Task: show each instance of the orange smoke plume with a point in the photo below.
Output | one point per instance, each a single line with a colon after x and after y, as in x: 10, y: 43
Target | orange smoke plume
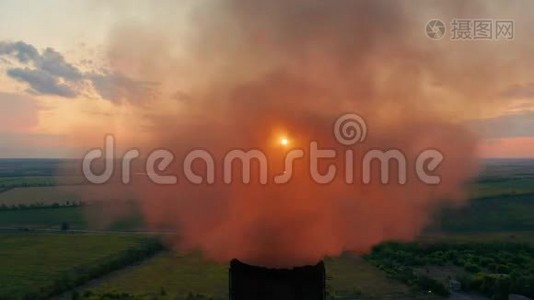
x: 256, y: 72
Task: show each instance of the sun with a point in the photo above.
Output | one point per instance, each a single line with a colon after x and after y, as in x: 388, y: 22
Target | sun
x: 284, y: 141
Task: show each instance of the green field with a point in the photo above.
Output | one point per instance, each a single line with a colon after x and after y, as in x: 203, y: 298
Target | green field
x: 503, y: 187
x: 51, y: 206
x: 488, y: 214
x: 350, y: 275
x: 492, y: 214
x: 32, y: 261
x: 178, y: 275
x: 91, y: 217
x: 49, y: 218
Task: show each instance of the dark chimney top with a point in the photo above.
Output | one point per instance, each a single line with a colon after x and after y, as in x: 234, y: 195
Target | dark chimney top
x: 249, y: 282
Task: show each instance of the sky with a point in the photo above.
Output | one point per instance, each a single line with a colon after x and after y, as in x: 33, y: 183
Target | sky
x: 71, y: 71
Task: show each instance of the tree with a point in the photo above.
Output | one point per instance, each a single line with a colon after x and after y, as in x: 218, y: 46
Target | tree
x: 65, y: 226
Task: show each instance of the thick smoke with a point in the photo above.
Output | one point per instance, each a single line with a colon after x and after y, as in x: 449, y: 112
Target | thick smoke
x: 253, y: 71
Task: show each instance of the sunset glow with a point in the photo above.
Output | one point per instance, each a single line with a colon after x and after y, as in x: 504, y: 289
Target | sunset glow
x: 106, y: 83
x: 272, y: 144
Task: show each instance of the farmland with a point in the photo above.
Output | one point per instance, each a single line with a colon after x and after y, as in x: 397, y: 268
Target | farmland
x: 41, y: 264
x: 44, y: 213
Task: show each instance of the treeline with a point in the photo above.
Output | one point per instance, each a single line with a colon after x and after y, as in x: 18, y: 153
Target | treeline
x: 77, y: 276
x: 90, y: 295
x: 504, y: 178
x: 494, y: 269
x: 4, y: 187
x: 40, y: 205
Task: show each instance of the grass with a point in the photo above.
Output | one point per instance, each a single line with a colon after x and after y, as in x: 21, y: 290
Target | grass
x: 29, y: 261
x: 177, y: 274
x: 45, y: 218
x: 350, y: 274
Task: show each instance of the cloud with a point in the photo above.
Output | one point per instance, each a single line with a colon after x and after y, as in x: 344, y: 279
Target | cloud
x: 22, y: 51
x: 54, y: 63
x: 42, y: 82
x: 117, y: 87
x: 519, y: 91
x: 47, y: 72
x: 512, y: 125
